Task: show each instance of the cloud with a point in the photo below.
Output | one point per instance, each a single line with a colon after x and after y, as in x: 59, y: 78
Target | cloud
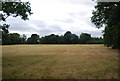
x: 18, y: 24
x: 35, y: 26
x: 68, y: 20
x: 38, y: 22
x: 94, y: 33
x: 56, y: 17
x: 79, y: 2
x: 52, y: 29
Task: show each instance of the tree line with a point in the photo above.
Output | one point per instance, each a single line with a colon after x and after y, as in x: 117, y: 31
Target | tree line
x: 67, y: 38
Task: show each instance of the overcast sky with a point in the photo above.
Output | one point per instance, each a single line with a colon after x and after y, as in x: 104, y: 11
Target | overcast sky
x: 56, y: 17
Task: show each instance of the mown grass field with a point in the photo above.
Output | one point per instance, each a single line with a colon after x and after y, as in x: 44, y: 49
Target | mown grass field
x: 59, y: 62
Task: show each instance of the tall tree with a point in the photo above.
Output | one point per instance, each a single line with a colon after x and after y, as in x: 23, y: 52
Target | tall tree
x: 107, y: 14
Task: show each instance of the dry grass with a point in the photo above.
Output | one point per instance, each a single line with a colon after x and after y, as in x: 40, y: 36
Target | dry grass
x: 59, y: 62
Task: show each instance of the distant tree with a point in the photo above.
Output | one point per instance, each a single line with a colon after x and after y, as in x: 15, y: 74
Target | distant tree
x: 70, y: 38
x: 54, y: 39
x: 43, y: 40
x: 23, y: 39
x: 67, y: 37
x: 61, y: 39
x: 95, y: 40
x: 74, y: 39
x: 14, y: 38
x: 29, y: 41
x: 84, y: 38
x: 34, y: 39
x: 50, y: 39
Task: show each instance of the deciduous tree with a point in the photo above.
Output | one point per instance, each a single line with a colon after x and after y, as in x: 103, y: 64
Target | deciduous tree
x: 107, y: 15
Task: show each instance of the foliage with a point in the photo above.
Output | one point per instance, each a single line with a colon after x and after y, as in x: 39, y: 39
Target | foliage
x: 14, y: 38
x: 23, y: 39
x: 95, y: 40
x: 67, y: 38
x: 34, y: 39
x: 50, y: 39
x: 70, y: 38
x: 5, y: 37
x: 107, y: 14
x: 11, y: 38
x: 5, y: 29
x: 21, y: 9
x: 84, y: 38
x: 15, y: 9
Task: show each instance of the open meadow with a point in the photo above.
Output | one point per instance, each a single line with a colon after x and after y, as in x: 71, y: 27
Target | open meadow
x: 93, y: 61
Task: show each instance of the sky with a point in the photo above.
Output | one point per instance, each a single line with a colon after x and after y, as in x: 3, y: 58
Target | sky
x: 57, y: 17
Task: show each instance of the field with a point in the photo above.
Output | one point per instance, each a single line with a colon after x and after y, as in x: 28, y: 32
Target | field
x: 59, y: 62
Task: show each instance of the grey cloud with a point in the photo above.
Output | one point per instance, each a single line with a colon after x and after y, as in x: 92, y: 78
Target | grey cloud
x: 56, y: 28
x: 41, y: 27
x: 92, y: 32
x: 50, y: 30
x: 16, y: 24
x: 43, y: 32
x: 72, y: 15
x: 81, y: 14
x: 38, y: 23
x: 23, y: 28
x: 77, y: 15
x: 68, y: 20
x: 80, y: 2
x: 88, y: 21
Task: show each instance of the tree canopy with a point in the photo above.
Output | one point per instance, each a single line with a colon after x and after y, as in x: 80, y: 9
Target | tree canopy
x: 14, y: 9
x: 85, y: 37
x: 34, y: 39
x: 107, y: 14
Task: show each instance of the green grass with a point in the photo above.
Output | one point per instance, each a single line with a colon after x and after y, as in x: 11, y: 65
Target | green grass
x: 59, y: 62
